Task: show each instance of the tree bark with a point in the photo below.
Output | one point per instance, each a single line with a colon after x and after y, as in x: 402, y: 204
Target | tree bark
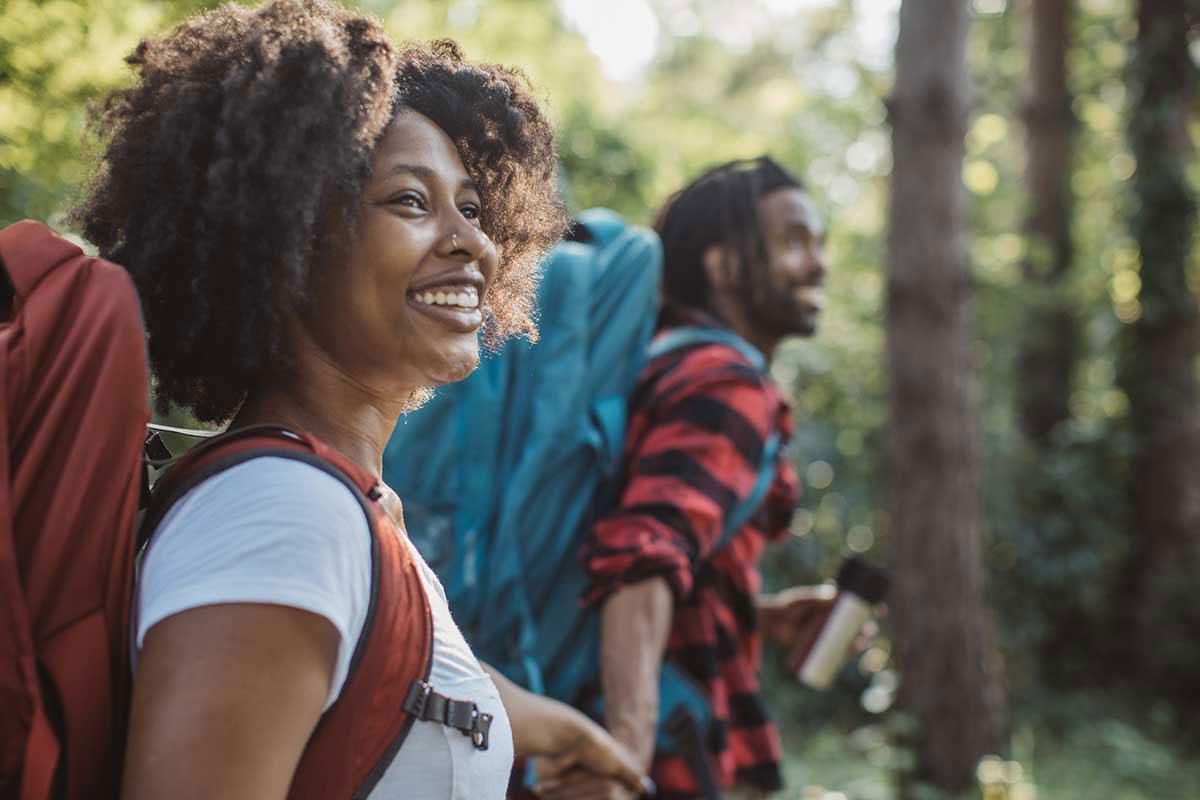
x: 1048, y: 336
x: 1047, y: 355
x: 950, y: 673
x: 1158, y: 368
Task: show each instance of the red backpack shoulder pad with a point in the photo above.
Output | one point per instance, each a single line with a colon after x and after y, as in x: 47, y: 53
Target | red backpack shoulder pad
x: 361, y: 733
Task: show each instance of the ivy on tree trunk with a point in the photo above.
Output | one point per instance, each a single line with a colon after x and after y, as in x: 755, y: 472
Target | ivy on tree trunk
x: 1159, y: 359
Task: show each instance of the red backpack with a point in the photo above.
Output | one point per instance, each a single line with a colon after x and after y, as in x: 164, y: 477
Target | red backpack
x: 73, y: 416
x: 73, y: 411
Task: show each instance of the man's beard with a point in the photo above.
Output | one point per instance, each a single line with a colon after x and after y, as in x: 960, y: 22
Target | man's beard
x: 781, y: 314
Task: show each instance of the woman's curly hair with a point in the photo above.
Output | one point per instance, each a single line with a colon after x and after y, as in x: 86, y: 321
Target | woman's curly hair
x: 246, y: 128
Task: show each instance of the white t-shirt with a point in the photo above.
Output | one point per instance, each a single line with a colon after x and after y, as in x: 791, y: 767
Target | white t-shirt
x: 279, y: 531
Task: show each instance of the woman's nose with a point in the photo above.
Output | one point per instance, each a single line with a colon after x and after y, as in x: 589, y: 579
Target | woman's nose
x: 467, y: 242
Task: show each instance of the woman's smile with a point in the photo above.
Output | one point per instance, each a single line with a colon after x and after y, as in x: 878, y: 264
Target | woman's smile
x: 451, y: 298
x: 457, y: 309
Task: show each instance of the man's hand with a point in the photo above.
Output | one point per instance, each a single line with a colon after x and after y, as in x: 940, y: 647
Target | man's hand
x: 792, y: 619
x: 635, y: 623
x: 584, y: 760
x: 564, y: 740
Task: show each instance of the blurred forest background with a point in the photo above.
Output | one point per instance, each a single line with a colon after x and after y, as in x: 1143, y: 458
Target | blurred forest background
x: 1010, y: 187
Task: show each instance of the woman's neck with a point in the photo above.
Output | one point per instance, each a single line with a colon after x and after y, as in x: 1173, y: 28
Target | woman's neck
x: 316, y: 397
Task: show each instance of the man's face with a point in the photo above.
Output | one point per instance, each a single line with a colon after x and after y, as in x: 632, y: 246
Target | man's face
x: 794, y: 236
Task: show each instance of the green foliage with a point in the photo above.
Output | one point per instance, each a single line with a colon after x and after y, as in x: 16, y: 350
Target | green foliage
x: 55, y: 57
x: 601, y: 167
x: 1057, y: 520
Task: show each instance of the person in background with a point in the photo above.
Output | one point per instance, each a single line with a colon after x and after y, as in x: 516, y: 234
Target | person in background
x: 744, y: 253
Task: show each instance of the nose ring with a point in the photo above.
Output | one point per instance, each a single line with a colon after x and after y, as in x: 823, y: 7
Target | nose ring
x: 454, y: 241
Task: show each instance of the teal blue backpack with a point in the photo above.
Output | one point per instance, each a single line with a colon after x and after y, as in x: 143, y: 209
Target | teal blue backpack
x: 502, y: 474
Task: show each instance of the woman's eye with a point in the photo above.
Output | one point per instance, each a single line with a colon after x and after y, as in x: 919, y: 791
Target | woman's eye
x: 410, y: 199
x: 470, y: 211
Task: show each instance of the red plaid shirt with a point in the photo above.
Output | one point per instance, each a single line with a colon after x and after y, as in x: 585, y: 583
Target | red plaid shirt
x: 699, y: 418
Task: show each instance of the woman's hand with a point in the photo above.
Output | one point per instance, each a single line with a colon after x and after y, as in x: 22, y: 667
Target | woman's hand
x: 565, y: 741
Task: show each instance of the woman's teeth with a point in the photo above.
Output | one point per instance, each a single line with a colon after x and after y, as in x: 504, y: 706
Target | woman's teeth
x: 461, y: 298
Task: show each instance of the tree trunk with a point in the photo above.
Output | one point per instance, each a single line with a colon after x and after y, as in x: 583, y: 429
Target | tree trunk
x: 1158, y: 368
x: 950, y: 682
x: 1047, y: 352
x: 1048, y: 339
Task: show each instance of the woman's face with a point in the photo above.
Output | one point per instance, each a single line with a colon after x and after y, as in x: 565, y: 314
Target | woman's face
x: 399, y: 303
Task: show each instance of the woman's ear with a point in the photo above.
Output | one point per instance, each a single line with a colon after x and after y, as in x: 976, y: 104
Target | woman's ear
x: 718, y: 266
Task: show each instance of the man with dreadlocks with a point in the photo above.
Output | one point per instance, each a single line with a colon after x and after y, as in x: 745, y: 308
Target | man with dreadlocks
x: 743, y: 253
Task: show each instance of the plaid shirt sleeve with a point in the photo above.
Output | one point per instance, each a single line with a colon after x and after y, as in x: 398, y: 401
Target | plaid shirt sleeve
x: 693, y: 451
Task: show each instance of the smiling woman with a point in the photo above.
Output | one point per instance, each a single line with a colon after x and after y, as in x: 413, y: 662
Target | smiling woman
x: 319, y: 226
x: 226, y: 181
x: 419, y: 232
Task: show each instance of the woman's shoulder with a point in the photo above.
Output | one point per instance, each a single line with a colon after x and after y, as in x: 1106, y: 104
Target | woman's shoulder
x: 270, y: 529
x: 272, y: 517
x: 276, y: 487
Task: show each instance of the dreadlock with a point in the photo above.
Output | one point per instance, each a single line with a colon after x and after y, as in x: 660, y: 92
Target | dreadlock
x: 718, y: 208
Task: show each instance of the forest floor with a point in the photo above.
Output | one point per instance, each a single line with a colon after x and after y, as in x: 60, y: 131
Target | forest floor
x: 1104, y: 758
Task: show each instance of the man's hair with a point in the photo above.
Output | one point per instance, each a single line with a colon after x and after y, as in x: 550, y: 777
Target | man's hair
x: 718, y: 208
x: 247, y: 132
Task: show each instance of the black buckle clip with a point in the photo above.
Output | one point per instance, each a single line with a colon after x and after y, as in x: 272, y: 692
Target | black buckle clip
x: 155, y: 448
x: 479, y: 731
x: 418, y: 697
x: 424, y: 704
x: 465, y: 717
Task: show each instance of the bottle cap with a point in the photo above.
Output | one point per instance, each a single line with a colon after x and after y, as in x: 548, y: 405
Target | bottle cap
x: 860, y: 578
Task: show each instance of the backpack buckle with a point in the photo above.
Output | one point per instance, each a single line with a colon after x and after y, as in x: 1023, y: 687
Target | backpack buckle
x: 418, y: 698
x: 155, y: 448
x: 479, y: 730
x: 426, y: 705
x: 465, y: 717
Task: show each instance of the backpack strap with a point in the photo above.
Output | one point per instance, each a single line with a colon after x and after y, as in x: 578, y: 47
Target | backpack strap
x: 225, y: 451
x: 220, y: 452
x: 687, y: 337
x: 746, y: 509
x: 359, y: 736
